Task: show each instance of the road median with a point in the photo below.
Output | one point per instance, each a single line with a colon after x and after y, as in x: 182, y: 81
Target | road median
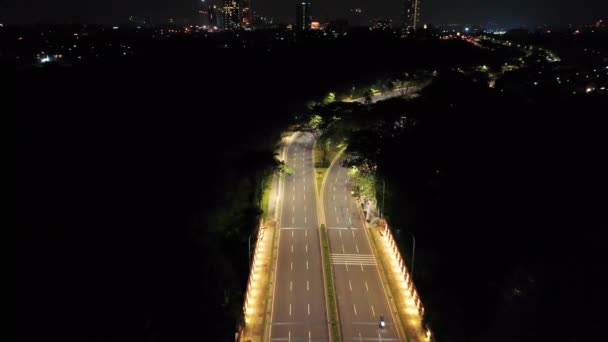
x: 329, y: 285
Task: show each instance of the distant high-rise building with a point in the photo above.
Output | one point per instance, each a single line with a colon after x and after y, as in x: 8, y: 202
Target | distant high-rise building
x: 246, y: 14
x: 208, y: 14
x: 411, y: 15
x: 231, y: 13
x: 303, y: 15
x: 212, y: 16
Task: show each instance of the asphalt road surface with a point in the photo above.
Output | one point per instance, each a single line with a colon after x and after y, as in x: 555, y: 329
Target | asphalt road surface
x: 299, y: 311
x: 361, y: 297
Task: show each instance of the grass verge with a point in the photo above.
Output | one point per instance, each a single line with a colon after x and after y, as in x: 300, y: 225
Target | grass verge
x: 267, y: 186
x: 322, y: 165
x: 331, y: 292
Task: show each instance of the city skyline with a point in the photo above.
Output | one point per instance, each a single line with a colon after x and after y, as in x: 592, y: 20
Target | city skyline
x: 500, y: 12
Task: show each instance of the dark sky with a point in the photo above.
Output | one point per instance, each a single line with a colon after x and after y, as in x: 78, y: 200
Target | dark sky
x: 504, y: 12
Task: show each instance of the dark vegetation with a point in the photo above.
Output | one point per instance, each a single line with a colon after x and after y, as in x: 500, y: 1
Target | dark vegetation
x: 139, y: 178
x: 501, y: 192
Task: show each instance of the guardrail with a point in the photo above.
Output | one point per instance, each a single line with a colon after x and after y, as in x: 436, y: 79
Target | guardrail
x: 252, y: 290
x: 407, y: 283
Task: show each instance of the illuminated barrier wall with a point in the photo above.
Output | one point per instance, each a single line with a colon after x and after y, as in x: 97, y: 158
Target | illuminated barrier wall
x: 253, y: 289
x: 407, y: 284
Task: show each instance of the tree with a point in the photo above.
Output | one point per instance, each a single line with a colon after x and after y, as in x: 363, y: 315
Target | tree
x: 364, y: 184
x: 368, y: 96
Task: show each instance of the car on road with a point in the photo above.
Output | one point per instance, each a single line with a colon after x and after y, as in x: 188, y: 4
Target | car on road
x: 381, y: 324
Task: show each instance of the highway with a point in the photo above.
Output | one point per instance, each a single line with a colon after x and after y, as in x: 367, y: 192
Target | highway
x: 360, y: 295
x: 299, y: 308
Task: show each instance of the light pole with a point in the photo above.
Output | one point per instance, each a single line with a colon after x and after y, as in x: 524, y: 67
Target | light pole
x: 413, y: 251
x: 383, y: 188
x: 249, y: 244
x: 382, y: 206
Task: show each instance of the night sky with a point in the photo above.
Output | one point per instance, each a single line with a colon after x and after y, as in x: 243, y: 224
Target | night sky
x: 508, y: 13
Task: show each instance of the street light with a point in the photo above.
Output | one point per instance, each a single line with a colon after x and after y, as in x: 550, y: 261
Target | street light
x: 383, y: 188
x: 249, y: 243
x: 413, y: 252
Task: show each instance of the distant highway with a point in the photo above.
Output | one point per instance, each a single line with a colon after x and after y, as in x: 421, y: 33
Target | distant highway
x: 299, y: 308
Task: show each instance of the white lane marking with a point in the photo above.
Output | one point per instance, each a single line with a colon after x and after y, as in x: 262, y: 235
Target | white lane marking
x: 357, y: 247
x: 307, y: 286
x: 354, y: 308
x: 304, y: 208
x: 305, y: 197
x: 304, y: 187
x: 289, y: 336
x: 350, y: 221
x: 336, y: 209
x: 346, y: 267
x: 334, y: 188
x: 293, y: 219
x: 339, y: 231
x: 290, y: 311
x: 345, y: 197
x: 306, y: 248
x: 347, y: 210
x: 294, y: 197
x: 366, y: 288
x: 342, y: 249
x: 294, y: 187
x: 309, y: 338
x: 350, y: 285
x: 334, y: 197
x: 304, y: 219
x: 362, y: 270
x: 291, y: 266
x: 337, y: 219
x: 290, y: 285
x: 352, y: 231
x: 292, y: 248
x: 292, y: 233
x: 308, y: 309
x: 379, y: 337
x: 306, y: 264
x: 293, y: 209
x: 306, y: 233
x: 360, y: 338
x: 373, y: 312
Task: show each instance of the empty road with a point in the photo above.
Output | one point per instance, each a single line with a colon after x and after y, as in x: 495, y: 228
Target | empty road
x: 298, y: 308
x: 360, y: 294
